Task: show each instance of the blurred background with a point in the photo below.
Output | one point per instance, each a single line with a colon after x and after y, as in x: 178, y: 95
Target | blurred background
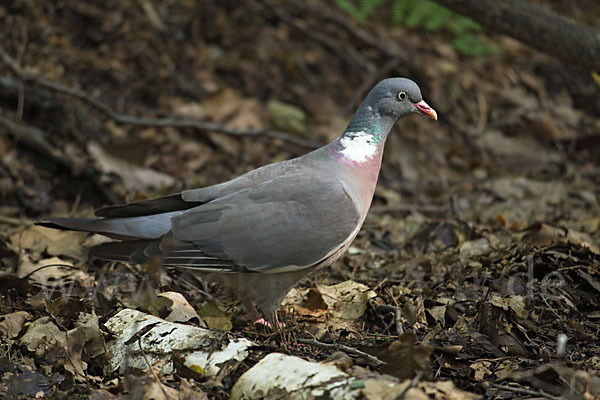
x: 104, y: 102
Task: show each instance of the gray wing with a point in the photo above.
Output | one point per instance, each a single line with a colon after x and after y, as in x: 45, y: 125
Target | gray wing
x: 195, y: 197
x: 286, y: 223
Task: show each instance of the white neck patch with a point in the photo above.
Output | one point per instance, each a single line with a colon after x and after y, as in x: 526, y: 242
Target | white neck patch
x: 358, y: 146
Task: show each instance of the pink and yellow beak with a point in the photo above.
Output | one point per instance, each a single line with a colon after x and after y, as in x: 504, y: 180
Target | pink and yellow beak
x: 425, y: 109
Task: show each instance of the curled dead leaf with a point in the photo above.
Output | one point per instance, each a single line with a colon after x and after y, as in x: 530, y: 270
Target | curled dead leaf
x: 52, y: 241
x: 173, y: 307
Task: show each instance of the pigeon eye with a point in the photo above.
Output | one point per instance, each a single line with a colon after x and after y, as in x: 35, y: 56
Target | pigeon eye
x: 401, y: 95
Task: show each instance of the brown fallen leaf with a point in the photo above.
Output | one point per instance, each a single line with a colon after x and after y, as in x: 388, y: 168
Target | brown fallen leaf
x: 54, y: 242
x: 48, y: 271
x: 515, y: 303
x: 214, y: 317
x: 481, y: 369
x: 134, y: 177
x: 313, y: 308
x: 544, y: 234
x: 494, y: 324
x: 222, y: 105
x: 11, y: 324
x: 382, y: 389
x: 47, y: 341
x: 249, y: 115
x: 173, y: 307
x: 346, y: 301
x: 445, y: 390
x: 403, y: 357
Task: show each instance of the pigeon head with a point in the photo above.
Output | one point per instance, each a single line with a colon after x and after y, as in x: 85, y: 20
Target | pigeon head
x: 396, y: 97
x: 388, y: 101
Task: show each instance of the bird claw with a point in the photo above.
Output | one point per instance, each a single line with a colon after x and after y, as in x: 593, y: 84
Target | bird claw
x: 264, y: 322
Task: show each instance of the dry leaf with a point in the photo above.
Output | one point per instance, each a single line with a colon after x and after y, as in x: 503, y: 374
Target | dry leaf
x: 481, y: 369
x: 214, y: 317
x: 249, y: 115
x: 52, y: 241
x: 11, y: 324
x: 383, y: 389
x: 47, y: 341
x: 45, y: 271
x: 134, y: 177
x: 222, y: 105
x: 346, y: 302
x: 173, y: 307
x: 402, y: 357
x: 515, y: 303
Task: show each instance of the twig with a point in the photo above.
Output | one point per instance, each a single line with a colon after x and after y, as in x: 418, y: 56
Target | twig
x: 48, y: 266
x: 152, y: 369
x: 525, y: 391
x: 413, y: 383
x: 341, y: 347
x: 397, y: 317
x: 154, y: 122
x: 380, y: 284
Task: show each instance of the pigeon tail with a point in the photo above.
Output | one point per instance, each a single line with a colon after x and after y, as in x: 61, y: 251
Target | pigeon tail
x: 131, y: 228
x: 70, y: 224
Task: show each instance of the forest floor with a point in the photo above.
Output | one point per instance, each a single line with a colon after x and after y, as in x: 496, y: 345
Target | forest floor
x: 482, y: 242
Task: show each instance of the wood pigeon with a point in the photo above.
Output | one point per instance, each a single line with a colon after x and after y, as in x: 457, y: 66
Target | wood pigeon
x: 262, y: 232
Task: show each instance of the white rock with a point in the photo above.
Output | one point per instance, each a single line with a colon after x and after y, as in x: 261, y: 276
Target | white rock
x: 299, y: 379
x: 164, y: 338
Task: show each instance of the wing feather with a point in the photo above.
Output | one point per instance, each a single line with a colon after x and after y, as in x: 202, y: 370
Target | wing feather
x: 288, y: 222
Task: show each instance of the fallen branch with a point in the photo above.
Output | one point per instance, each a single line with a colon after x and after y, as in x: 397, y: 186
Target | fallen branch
x: 340, y: 347
x: 153, y: 122
x: 537, y: 26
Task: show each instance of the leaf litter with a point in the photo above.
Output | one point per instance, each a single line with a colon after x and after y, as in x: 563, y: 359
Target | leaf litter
x: 481, y: 250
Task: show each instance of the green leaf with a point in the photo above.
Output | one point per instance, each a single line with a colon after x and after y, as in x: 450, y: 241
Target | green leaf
x: 431, y: 16
x: 470, y: 45
x: 399, y: 10
x: 438, y: 19
x: 419, y: 13
x: 360, y: 11
x: 461, y: 25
